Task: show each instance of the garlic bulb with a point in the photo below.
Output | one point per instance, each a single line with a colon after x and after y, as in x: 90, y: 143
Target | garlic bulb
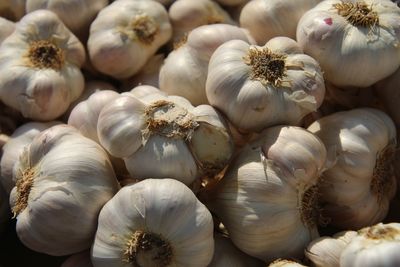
x: 126, y: 34
x: 285, y: 263
x: 343, y: 35
x: 76, y: 15
x: 267, y: 199
x: 154, y: 223
x: 6, y: 28
x: 257, y: 87
x: 186, y: 15
x: 268, y: 19
x: 14, y: 147
x: 12, y: 9
x: 357, y: 190
x: 81, y: 259
x: 39, y: 67
x: 227, y: 255
x: 62, y: 181
x: 184, y: 72
x: 165, y: 136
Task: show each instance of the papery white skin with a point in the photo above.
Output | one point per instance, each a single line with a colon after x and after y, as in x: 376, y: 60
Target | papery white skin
x: 186, y: 15
x: 14, y: 147
x: 5, y: 214
x: 85, y: 115
x: 81, y: 259
x: 72, y: 179
x: 76, y: 14
x: 12, y: 9
x: 227, y: 255
x: 252, y: 106
x: 259, y: 200
x: 285, y: 263
x: 341, y: 48
x: 325, y: 251
x: 40, y: 93
x: 357, y: 137
x: 268, y: 19
x: 160, y: 206
x: 148, y: 75
x: 114, y: 47
x: 122, y: 131
x: 184, y: 72
x: 6, y: 28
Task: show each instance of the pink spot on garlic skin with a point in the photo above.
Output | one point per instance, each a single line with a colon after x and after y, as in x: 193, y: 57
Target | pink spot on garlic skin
x: 328, y: 21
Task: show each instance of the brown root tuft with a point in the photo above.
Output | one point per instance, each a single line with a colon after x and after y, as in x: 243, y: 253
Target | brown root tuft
x: 24, y: 185
x: 145, y: 28
x: 44, y: 54
x: 358, y: 14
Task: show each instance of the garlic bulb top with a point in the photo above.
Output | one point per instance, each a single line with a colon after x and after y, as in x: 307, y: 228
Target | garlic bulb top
x: 6, y: 28
x: 62, y: 181
x: 268, y: 19
x: 267, y: 199
x: 76, y: 14
x: 184, y: 71
x: 14, y: 147
x: 81, y: 259
x: 165, y: 131
x: 39, y: 67
x: 154, y: 223
x: 343, y: 35
x: 126, y: 34
x: 357, y: 189
x: 12, y: 9
x: 257, y: 87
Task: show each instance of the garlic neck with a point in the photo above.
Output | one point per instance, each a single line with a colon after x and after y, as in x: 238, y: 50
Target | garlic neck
x: 144, y: 28
x: 44, y: 54
x: 24, y: 185
x: 148, y: 249
x: 358, y: 13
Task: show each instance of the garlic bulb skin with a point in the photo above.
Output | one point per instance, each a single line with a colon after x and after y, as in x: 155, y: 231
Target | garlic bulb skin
x: 184, y: 71
x: 186, y: 15
x: 6, y: 28
x: 125, y: 34
x: 184, y: 142
x: 14, y: 147
x: 285, y: 263
x: 227, y: 255
x: 341, y: 46
x: 12, y: 9
x: 40, y: 67
x: 62, y: 181
x: 258, y: 87
x: 357, y: 190
x: 81, y: 259
x: 267, y: 198
x: 139, y: 227
x: 76, y: 15
x: 268, y: 19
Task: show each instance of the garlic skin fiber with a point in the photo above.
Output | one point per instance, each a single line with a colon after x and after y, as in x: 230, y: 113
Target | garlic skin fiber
x: 258, y: 87
x: 62, y: 181
x: 125, y: 34
x: 155, y: 222
x: 356, y: 191
x: 369, y: 37
x: 40, y: 67
x: 267, y: 198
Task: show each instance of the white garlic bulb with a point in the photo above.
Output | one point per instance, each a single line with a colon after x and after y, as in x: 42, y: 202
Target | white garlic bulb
x: 357, y: 189
x: 12, y: 9
x: 39, y: 67
x: 267, y: 199
x: 257, y: 87
x: 6, y: 28
x: 186, y: 15
x: 184, y: 71
x: 154, y: 223
x: 343, y: 35
x: 268, y: 19
x: 81, y: 259
x: 285, y: 263
x: 14, y: 147
x: 126, y: 34
x: 76, y: 15
x: 164, y: 136
x: 62, y: 181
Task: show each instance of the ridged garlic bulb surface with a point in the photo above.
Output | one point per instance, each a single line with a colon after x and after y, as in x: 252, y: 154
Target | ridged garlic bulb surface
x: 356, y: 191
x: 40, y: 67
x: 258, y: 87
x: 164, y: 136
x: 62, y: 181
x: 155, y: 222
x: 184, y: 71
x: 267, y: 199
x: 285, y: 263
x: 125, y: 34
x: 343, y: 35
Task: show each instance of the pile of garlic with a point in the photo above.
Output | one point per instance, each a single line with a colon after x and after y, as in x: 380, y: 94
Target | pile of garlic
x: 207, y: 133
